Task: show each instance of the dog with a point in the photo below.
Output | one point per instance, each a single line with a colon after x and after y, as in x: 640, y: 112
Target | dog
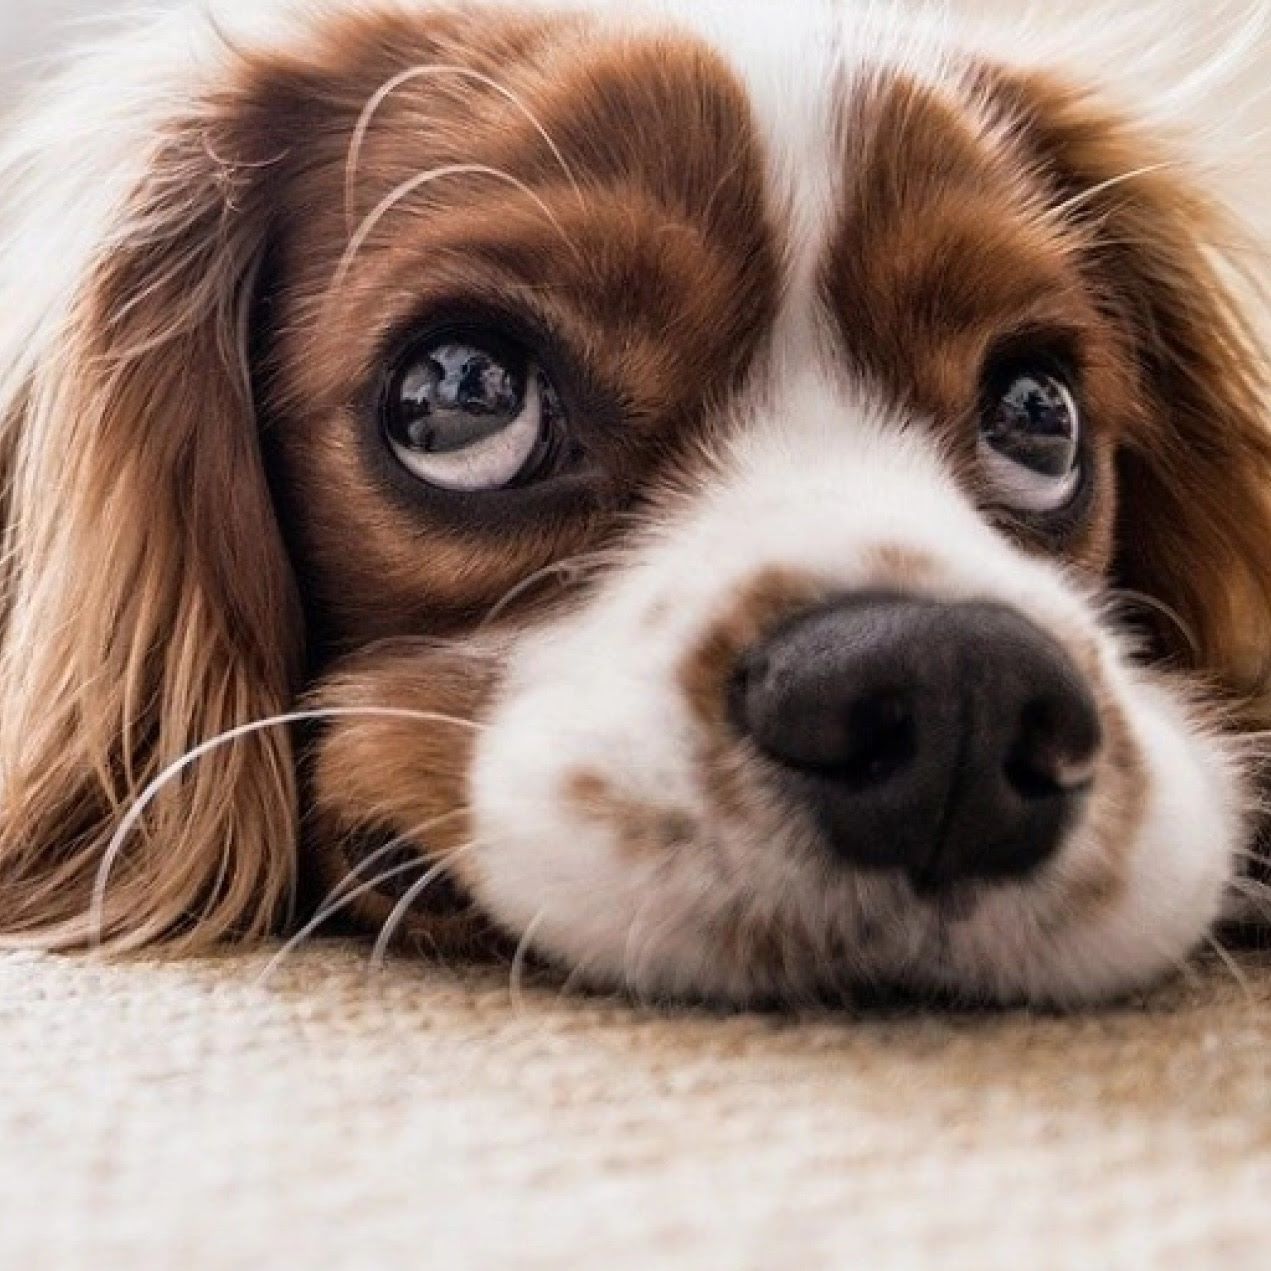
x: 747, y: 502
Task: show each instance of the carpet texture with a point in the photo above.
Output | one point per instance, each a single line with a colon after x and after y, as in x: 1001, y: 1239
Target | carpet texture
x: 189, y: 1116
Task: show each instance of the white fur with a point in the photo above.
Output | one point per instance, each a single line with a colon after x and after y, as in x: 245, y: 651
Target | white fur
x: 815, y: 480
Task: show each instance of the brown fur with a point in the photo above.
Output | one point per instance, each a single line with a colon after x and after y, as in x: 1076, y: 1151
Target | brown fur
x: 641, y: 830
x: 149, y: 605
x: 1193, y: 468
x: 155, y: 607
x: 377, y: 779
x: 620, y: 236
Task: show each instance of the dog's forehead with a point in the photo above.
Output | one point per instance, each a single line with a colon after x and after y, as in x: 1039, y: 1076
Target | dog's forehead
x: 785, y: 74
x: 744, y: 122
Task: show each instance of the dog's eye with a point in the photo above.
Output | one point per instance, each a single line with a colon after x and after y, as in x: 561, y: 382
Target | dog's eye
x: 1030, y: 439
x: 469, y: 410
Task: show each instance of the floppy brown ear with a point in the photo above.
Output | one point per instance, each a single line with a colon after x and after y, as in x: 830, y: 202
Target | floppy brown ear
x: 1194, y: 479
x: 148, y: 604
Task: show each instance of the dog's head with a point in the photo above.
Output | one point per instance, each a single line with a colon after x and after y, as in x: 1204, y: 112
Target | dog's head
x: 760, y: 502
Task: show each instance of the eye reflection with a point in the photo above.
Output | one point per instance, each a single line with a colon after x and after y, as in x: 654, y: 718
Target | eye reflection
x: 1030, y: 440
x: 470, y: 410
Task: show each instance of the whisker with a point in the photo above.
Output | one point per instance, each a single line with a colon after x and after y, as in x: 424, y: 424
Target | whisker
x: 574, y: 567
x: 636, y: 952
x: 1166, y: 611
x: 393, y: 844
x: 132, y: 818
x: 398, y: 914
x: 1078, y: 201
x: 1185, y: 968
x: 339, y: 898
x: 1254, y: 890
x: 329, y: 911
x: 516, y: 973
x: 418, y: 182
x: 400, y: 80
x: 577, y: 975
x: 1238, y: 976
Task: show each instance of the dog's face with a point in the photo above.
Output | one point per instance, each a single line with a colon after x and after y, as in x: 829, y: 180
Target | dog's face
x: 710, y: 466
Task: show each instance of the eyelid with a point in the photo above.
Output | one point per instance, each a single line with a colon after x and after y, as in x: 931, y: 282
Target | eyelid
x: 1058, y: 350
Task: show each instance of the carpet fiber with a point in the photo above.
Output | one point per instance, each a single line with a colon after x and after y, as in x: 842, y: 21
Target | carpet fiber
x: 188, y: 1116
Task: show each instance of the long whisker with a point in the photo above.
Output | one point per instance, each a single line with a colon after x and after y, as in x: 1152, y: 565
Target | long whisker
x: 400, y: 80
x: 131, y: 819
x: 416, y: 183
x: 1078, y: 201
x: 339, y: 897
x: 516, y: 974
x: 329, y: 911
x: 387, y: 849
x: 413, y: 893
x: 1232, y: 966
x: 573, y: 567
x: 577, y: 975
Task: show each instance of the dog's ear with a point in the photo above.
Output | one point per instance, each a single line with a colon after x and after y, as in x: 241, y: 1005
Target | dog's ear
x: 147, y: 600
x: 1194, y: 476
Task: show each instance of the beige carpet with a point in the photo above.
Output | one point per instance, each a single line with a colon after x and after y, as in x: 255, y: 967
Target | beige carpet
x: 187, y: 1116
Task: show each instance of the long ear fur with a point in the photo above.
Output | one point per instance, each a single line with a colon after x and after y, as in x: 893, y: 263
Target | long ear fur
x: 147, y: 603
x: 1194, y: 523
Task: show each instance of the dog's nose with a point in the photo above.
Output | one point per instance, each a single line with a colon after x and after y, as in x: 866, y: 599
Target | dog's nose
x: 949, y: 741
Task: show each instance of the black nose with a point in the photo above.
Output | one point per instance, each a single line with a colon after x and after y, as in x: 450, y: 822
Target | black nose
x: 950, y: 741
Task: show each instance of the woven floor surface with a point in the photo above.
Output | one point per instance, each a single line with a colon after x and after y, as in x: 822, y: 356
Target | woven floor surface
x: 189, y: 1115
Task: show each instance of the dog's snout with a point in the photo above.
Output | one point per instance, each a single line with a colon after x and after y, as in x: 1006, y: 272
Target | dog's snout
x: 949, y: 741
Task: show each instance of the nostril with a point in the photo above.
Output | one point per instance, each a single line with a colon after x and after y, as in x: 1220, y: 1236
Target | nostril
x: 1055, y: 748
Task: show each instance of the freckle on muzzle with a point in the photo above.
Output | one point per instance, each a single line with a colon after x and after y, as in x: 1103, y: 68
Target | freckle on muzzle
x: 949, y: 742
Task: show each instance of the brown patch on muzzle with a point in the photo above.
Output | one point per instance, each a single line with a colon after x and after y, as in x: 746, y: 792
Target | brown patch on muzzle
x: 643, y: 830
x: 774, y: 595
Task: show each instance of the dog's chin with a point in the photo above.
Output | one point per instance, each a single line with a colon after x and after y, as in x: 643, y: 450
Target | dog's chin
x: 684, y: 931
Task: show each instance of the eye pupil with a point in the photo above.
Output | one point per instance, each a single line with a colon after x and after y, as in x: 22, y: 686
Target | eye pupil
x: 1030, y: 439
x: 468, y: 409
x: 1034, y: 422
x: 488, y: 387
x: 455, y: 393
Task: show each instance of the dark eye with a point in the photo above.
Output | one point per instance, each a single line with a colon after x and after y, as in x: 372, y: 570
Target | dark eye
x: 1030, y: 439
x: 469, y: 410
